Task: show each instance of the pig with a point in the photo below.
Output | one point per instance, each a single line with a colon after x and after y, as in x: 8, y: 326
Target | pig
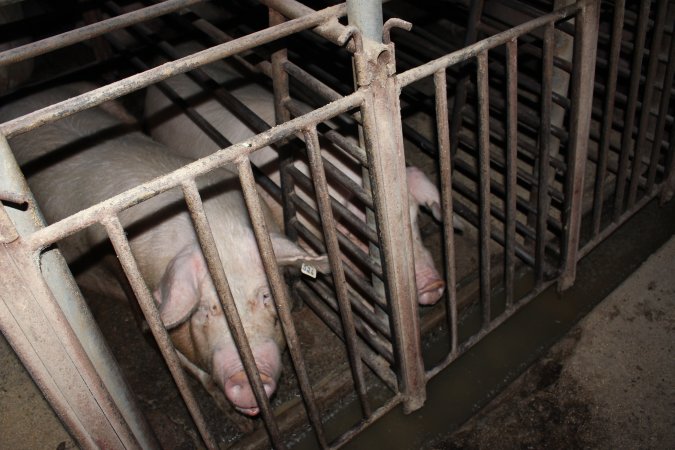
x: 169, y: 125
x: 91, y: 156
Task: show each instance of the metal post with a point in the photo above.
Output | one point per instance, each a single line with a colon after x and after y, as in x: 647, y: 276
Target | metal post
x: 585, y: 47
x: 374, y: 68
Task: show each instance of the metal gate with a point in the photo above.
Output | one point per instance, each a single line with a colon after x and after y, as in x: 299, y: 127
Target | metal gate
x: 500, y: 125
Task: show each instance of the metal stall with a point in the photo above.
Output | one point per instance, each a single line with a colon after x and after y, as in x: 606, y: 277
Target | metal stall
x: 498, y: 119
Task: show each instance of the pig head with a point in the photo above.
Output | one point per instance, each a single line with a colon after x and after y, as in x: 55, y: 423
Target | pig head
x: 89, y: 157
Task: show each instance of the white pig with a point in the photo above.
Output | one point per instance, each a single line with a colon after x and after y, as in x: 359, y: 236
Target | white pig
x: 88, y: 157
x: 169, y: 125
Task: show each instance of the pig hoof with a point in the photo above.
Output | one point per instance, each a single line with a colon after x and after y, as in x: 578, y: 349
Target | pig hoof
x: 240, y: 393
x: 431, y: 293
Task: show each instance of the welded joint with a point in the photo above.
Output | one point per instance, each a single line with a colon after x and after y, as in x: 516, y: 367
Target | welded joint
x: 369, y: 57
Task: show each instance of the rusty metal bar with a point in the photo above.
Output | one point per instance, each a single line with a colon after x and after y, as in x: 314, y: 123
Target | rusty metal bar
x: 445, y: 162
x: 641, y: 143
x: 482, y: 87
x: 384, y: 142
x: 627, y: 137
x: 279, y: 291
x: 585, y: 47
x: 141, y: 80
x: 511, y: 169
x: 544, y: 152
x: 330, y: 238
x: 227, y: 303
x: 122, y: 248
x: 428, y: 69
x: 361, y: 323
x: 51, y: 43
x: 86, y: 217
x: 663, y: 113
x: 379, y: 363
x: 608, y: 113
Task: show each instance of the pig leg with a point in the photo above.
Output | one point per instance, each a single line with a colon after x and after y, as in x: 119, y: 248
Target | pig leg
x: 243, y: 423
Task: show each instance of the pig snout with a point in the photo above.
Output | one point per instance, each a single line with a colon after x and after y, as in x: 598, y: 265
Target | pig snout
x: 430, y: 286
x: 230, y: 374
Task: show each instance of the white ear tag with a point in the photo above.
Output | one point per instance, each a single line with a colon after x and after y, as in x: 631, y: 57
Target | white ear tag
x: 308, y: 270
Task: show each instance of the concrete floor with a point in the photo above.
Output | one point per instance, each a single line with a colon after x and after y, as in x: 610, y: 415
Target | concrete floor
x: 610, y: 383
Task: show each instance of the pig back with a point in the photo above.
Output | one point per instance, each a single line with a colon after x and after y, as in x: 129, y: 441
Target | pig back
x: 88, y: 157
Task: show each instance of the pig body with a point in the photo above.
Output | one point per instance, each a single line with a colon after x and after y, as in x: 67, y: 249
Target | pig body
x: 169, y: 125
x: 87, y: 158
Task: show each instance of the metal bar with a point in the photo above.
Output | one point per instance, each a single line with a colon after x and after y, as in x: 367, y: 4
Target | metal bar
x: 544, y: 152
x: 475, y: 12
x: 627, y: 137
x: 58, y: 41
x: 330, y: 238
x: 585, y: 47
x: 366, y: 15
x: 228, y: 304
x: 482, y: 87
x: 55, y: 282
x: 608, y: 114
x: 162, y: 72
x: 641, y: 144
x: 511, y: 169
x: 384, y: 142
x: 428, y: 69
x: 662, y: 115
x: 445, y: 162
x: 122, y: 248
x: 89, y: 216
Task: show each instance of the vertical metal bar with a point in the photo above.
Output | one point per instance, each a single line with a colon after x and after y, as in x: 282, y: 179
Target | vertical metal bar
x: 382, y: 132
x: 511, y: 167
x: 366, y: 15
x: 585, y: 46
x: 122, y: 248
x: 663, y: 115
x: 330, y: 237
x: 445, y: 162
x: 629, y: 121
x: 461, y: 87
x: 227, y: 302
x: 279, y: 291
x: 484, y: 180
x: 543, y: 199
x: 641, y: 147
x: 608, y: 113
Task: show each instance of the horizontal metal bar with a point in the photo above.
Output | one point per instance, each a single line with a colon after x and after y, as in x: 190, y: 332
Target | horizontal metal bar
x: 86, y: 217
x: 89, y: 31
x: 162, y: 72
x: 429, y: 68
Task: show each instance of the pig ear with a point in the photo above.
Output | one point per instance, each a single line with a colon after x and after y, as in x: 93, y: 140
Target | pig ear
x: 178, y: 292
x: 290, y: 255
x: 425, y: 193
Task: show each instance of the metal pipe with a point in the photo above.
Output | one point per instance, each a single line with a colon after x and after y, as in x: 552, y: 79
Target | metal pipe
x: 641, y: 143
x: 627, y: 137
x: 608, y: 114
x: 511, y: 168
x: 482, y: 87
x: 366, y: 15
x: 58, y: 41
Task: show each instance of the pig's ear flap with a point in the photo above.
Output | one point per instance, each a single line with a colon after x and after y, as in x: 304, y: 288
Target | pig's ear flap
x: 290, y: 255
x: 178, y: 292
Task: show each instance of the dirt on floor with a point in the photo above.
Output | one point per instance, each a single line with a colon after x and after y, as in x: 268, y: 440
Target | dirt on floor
x: 610, y: 383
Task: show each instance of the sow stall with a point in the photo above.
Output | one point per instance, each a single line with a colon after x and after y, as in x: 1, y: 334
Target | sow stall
x: 543, y: 126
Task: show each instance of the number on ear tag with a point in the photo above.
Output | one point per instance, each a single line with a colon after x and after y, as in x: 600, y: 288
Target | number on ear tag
x: 308, y: 270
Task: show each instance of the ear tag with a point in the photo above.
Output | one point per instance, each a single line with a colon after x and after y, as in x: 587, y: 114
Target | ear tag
x: 308, y: 270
